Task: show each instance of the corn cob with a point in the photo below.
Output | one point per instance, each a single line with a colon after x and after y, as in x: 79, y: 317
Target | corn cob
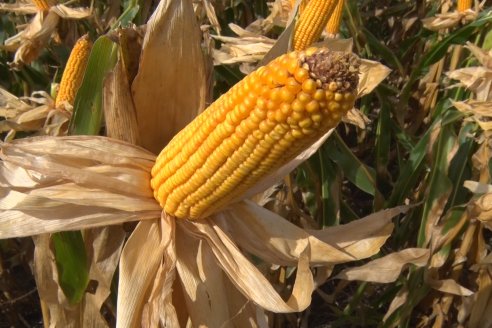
x: 302, y: 5
x: 333, y: 26
x: 74, y: 71
x: 312, y: 21
x: 464, y: 5
x: 42, y: 5
x: 260, y: 124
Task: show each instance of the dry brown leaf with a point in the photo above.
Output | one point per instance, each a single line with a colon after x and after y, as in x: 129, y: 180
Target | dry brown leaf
x: 477, y: 79
x: 387, y: 268
x: 449, y: 286
x: 357, y: 118
x: 203, y: 282
x: 480, y: 315
x: 138, y: 273
x: 479, y: 110
x: 400, y: 299
x: 19, y: 8
x: 168, y: 91
x: 119, y: 112
x: 252, y: 228
x: 448, y: 20
x: 113, y: 177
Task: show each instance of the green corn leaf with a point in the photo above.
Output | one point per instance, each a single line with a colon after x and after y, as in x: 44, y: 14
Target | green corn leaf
x: 71, y: 262
x: 87, y: 116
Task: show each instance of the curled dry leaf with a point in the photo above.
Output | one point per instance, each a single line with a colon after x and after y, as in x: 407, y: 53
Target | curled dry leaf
x: 480, y: 112
x: 29, y: 42
x: 34, y: 114
x: 449, y: 20
x: 449, y: 286
x: 181, y: 92
x: 248, y: 47
x: 85, y: 181
x: 388, y: 268
x: 477, y: 79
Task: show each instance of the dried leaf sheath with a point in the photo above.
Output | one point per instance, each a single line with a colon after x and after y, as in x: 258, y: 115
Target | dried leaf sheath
x: 260, y: 124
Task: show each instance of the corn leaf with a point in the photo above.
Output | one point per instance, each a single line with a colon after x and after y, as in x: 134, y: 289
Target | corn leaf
x: 459, y: 36
x: 87, y: 116
x: 356, y: 171
x: 71, y: 262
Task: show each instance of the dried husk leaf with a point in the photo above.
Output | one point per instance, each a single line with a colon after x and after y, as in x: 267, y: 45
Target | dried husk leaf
x: 480, y: 110
x: 448, y: 20
x: 477, y: 79
x: 387, y: 268
x: 169, y: 95
x: 70, y: 13
x: 19, y: 8
x: 203, y: 282
x: 246, y: 277
x: 253, y: 227
x: 138, y: 273
x: 29, y: 42
x: 119, y: 111
x: 112, y: 176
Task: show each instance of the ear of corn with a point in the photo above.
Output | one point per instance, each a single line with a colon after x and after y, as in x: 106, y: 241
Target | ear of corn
x: 312, y: 21
x: 464, y: 5
x: 74, y: 71
x: 333, y: 26
x: 257, y: 126
x: 42, y: 5
x: 302, y: 5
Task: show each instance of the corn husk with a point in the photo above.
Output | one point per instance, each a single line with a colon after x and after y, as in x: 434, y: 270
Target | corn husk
x: 32, y: 39
x: 36, y: 114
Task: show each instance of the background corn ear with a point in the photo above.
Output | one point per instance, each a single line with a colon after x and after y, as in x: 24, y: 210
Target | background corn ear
x: 42, y: 5
x: 464, y: 5
x: 333, y: 26
x: 312, y: 21
x: 261, y: 123
x: 74, y: 71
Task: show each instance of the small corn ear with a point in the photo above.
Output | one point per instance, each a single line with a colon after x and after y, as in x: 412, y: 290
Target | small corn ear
x: 333, y: 26
x: 464, y: 5
x: 42, y: 5
x: 312, y: 21
x: 260, y: 124
x: 74, y: 71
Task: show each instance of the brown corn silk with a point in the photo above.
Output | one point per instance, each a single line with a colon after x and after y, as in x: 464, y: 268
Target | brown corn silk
x: 333, y: 25
x: 74, y: 71
x: 312, y: 21
x: 260, y: 124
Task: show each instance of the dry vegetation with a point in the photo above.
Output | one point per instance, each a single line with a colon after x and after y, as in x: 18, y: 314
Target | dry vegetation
x: 382, y: 221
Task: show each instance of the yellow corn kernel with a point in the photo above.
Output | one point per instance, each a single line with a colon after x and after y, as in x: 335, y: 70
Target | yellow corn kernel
x: 333, y: 26
x: 312, y: 21
x: 464, y: 5
x: 231, y: 146
x: 74, y: 71
x: 42, y: 5
x: 302, y: 4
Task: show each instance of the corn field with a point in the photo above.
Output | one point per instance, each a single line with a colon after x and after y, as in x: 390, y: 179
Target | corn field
x: 245, y: 163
